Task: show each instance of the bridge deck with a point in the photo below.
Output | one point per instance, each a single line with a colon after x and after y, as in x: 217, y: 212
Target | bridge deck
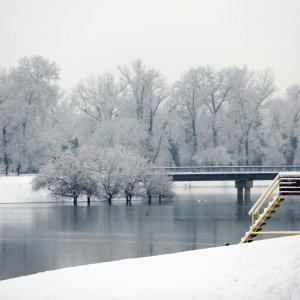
x: 228, y: 173
x: 221, y: 176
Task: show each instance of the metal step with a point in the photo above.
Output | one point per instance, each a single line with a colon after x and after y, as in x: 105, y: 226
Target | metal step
x: 289, y: 187
x: 287, y: 183
x: 289, y: 193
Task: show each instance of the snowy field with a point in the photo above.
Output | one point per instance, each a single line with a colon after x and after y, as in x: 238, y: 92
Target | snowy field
x: 267, y: 269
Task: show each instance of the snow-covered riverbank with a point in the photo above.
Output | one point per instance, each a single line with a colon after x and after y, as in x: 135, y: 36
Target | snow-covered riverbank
x: 17, y: 189
x: 267, y: 269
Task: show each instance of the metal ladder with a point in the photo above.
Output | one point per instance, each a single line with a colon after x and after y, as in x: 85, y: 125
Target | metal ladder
x: 289, y: 184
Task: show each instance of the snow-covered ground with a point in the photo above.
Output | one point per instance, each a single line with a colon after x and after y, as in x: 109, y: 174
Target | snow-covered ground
x: 267, y: 269
x: 17, y: 189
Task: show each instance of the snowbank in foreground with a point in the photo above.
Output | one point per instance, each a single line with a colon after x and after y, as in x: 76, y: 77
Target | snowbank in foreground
x: 267, y: 269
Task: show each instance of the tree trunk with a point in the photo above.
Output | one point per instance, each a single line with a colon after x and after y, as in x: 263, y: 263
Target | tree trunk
x: 151, y: 124
x: 195, y: 141
x: 88, y: 200
x: 109, y: 199
x: 247, y: 151
x: 159, y: 199
x: 215, y: 134
x: 173, y: 149
x: 153, y: 160
x: 18, y: 168
x: 6, y: 163
x: 75, y: 197
x: 128, y: 199
x: 5, y: 158
x: 290, y: 153
x: 292, y: 144
x: 24, y: 127
x: 149, y: 199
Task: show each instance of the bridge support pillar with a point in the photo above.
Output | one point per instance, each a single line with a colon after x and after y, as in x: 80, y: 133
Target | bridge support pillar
x: 240, y: 194
x: 245, y: 185
x: 247, y: 194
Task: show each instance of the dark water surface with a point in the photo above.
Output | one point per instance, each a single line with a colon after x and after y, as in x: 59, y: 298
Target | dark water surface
x: 35, y: 237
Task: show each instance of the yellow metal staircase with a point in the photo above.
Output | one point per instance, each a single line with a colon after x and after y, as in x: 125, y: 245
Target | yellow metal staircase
x: 289, y: 184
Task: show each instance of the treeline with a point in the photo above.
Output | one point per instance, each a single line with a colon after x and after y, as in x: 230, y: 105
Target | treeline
x: 228, y: 116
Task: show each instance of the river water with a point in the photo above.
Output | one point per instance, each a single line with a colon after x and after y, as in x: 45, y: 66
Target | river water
x: 36, y: 237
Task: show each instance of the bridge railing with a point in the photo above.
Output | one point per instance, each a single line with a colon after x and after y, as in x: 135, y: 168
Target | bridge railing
x: 232, y: 169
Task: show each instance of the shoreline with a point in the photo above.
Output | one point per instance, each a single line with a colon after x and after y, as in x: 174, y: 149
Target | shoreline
x: 17, y: 189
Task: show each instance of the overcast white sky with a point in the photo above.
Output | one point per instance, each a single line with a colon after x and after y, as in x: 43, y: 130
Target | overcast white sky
x: 94, y: 36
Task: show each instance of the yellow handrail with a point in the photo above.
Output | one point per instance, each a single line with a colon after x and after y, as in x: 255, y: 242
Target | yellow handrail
x: 255, y: 208
x: 267, y: 195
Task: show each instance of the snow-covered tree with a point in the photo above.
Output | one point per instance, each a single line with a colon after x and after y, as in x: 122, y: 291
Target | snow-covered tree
x: 156, y: 183
x: 145, y: 92
x: 251, y: 92
x: 98, y: 97
x: 35, y: 80
x: 283, y: 128
x: 10, y: 117
x: 215, y: 89
x: 28, y: 94
x: 133, y: 170
x: 108, y: 166
x: 68, y: 175
x: 146, y: 89
x: 187, y: 95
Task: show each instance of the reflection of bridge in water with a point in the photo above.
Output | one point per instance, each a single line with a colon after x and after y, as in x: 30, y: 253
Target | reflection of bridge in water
x: 242, y: 175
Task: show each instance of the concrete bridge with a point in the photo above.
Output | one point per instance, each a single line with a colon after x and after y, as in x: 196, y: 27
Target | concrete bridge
x: 242, y: 175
